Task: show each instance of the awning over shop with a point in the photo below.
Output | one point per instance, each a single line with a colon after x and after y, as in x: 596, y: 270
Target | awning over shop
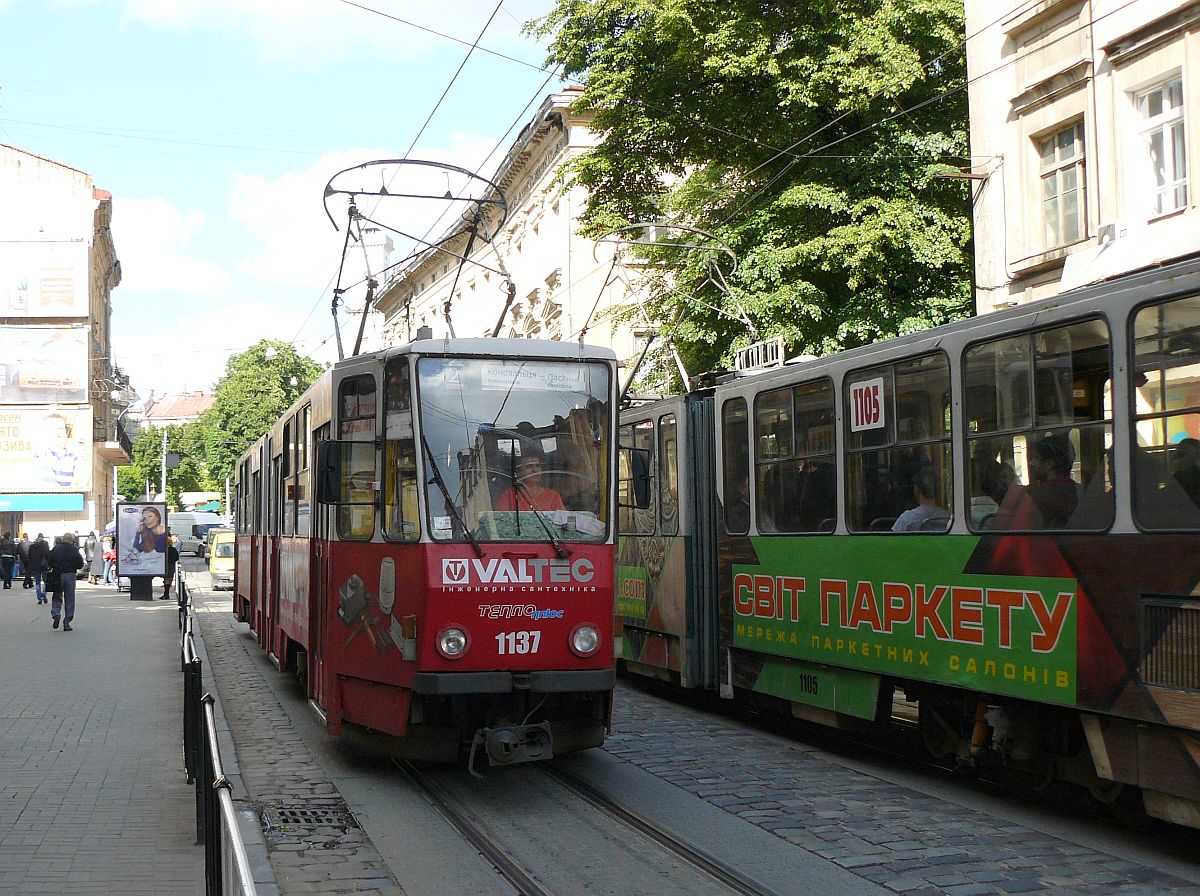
x: 29, y: 503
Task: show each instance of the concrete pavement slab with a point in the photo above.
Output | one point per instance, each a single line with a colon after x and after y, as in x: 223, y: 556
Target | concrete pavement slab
x: 93, y: 796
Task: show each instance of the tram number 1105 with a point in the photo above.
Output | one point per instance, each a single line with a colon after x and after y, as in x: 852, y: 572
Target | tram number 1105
x: 518, y: 642
x: 866, y: 405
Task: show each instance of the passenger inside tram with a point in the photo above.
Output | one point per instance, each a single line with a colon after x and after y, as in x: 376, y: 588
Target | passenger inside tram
x: 1186, y: 467
x: 928, y: 515
x: 1053, y: 491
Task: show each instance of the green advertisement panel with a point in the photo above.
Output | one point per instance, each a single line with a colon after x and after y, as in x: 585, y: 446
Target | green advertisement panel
x: 904, y: 607
x: 633, y: 588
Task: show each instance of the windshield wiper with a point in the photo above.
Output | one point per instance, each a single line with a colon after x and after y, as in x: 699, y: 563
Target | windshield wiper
x: 441, y: 484
x: 524, y: 490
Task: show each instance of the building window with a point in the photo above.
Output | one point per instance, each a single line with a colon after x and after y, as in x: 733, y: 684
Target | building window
x: 1063, y: 207
x: 1161, y: 113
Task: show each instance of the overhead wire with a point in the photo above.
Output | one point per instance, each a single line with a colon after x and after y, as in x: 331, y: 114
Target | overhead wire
x: 432, y: 112
x: 789, y: 150
x: 908, y: 110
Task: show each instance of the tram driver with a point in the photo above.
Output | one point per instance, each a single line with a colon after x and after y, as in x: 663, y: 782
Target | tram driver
x: 527, y: 492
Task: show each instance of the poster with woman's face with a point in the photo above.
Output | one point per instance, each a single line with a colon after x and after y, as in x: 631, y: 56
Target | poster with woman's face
x: 141, y: 539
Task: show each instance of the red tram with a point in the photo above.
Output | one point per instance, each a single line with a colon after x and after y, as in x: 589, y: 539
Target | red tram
x: 426, y: 537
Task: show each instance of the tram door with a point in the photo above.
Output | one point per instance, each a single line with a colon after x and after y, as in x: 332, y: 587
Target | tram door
x: 321, y: 576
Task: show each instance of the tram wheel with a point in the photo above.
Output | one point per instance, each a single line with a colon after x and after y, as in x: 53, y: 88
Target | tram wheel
x: 939, y: 738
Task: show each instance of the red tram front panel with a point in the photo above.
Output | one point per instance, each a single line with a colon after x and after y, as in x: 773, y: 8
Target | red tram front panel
x: 518, y: 606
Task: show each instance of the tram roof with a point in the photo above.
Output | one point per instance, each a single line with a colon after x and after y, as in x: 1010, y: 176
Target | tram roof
x: 1181, y: 278
x: 501, y: 348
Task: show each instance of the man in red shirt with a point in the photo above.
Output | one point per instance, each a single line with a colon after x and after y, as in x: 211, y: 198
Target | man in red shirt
x: 528, y: 493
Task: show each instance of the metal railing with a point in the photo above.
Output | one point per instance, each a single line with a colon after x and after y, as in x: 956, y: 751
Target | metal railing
x: 226, y: 865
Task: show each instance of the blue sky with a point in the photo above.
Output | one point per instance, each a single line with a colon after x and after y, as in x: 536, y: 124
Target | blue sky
x: 216, y: 123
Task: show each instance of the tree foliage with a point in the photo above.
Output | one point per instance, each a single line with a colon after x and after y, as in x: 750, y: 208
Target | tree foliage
x: 804, y: 136
x: 258, y: 386
x: 191, y: 473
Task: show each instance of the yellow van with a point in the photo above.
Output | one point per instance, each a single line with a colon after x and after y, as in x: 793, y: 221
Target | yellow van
x: 220, y: 562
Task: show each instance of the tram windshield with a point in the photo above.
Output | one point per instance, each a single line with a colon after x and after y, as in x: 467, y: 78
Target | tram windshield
x: 515, y: 450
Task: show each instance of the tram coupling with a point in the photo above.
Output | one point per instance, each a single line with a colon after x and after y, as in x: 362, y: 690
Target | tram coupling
x: 512, y: 744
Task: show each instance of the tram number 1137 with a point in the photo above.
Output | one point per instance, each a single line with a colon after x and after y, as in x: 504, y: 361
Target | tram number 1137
x: 518, y: 642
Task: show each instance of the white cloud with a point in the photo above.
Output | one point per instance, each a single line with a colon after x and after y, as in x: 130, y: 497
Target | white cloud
x: 291, y: 240
x: 152, y: 238
x: 188, y: 347
x: 315, y: 31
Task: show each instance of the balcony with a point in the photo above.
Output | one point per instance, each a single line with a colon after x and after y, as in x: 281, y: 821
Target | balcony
x: 113, y: 444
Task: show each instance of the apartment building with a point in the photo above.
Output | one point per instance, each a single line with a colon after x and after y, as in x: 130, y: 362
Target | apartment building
x: 61, y: 398
x: 1084, y: 118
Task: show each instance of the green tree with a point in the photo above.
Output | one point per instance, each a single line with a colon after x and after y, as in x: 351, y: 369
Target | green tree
x: 145, y: 466
x: 805, y: 136
x: 190, y: 474
x: 258, y: 386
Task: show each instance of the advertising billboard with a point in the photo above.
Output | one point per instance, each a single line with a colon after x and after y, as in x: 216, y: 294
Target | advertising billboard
x: 45, y: 449
x: 142, y: 538
x: 43, y: 365
x: 43, y: 278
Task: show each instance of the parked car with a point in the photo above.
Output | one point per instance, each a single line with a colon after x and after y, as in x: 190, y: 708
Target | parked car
x: 221, y: 561
x: 209, y: 537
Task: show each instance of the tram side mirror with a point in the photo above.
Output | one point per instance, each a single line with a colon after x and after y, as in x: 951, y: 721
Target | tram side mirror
x: 329, y: 473
x: 637, y: 462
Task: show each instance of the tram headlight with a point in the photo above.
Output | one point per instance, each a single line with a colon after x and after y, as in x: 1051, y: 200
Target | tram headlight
x: 453, y: 642
x: 585, y: 640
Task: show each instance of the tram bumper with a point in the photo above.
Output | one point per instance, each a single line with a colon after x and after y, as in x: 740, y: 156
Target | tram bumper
x: 511, y: 744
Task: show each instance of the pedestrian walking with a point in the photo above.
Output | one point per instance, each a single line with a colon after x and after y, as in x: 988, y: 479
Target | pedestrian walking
x: 172, y: 559
x: 89, y: 551
x: 23, y: 561
x: 38, y: 552
x: 8, y: 558
x: 110, y: 557
x: 96, y: 560
x: 64, y: 561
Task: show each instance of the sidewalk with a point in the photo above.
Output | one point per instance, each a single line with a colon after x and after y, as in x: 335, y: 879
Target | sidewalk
x: 92, y: 791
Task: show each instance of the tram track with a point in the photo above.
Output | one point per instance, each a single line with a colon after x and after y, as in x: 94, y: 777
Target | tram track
x: 468, y: 825
x: 489, y: 842
x: 697, y: 858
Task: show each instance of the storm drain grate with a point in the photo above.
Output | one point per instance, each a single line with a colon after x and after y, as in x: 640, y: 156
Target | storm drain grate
x: 297, y: 818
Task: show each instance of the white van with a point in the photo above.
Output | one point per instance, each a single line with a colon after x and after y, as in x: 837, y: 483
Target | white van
x: 191, y: 526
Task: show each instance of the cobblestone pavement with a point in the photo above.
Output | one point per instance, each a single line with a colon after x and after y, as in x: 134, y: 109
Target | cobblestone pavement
x: 892, y: 835
x: 318, y: 855
x: 93, y: 795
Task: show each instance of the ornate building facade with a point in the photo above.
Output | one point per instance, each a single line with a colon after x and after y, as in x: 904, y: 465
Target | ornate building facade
x: 1084, y: 118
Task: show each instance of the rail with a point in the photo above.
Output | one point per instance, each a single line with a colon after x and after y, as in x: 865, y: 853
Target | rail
x: 226, y: 865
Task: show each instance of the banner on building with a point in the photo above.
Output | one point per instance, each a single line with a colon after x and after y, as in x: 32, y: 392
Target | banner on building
x: 43, y: 365
x: 142, y: 538
x: 43, y: 279
x: 45, y: 449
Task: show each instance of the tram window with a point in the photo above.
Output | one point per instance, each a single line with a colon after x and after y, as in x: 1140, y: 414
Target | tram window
x: 735, y: 430
x: 303, y: 507
x: 635, y: 520
x: 401, y: 517
x: 794, y: 461
x: 668, y: 475
x: 356, y: 401
x: 899, y: 469
x: 287, y: 485
x: 1048, y: 469
x: 1166, y: 458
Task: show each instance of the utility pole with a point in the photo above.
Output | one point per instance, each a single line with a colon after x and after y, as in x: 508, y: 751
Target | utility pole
x: 164, y: 464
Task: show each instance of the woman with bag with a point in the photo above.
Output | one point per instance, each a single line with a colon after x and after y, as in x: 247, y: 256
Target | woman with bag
x: 64, y: 562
